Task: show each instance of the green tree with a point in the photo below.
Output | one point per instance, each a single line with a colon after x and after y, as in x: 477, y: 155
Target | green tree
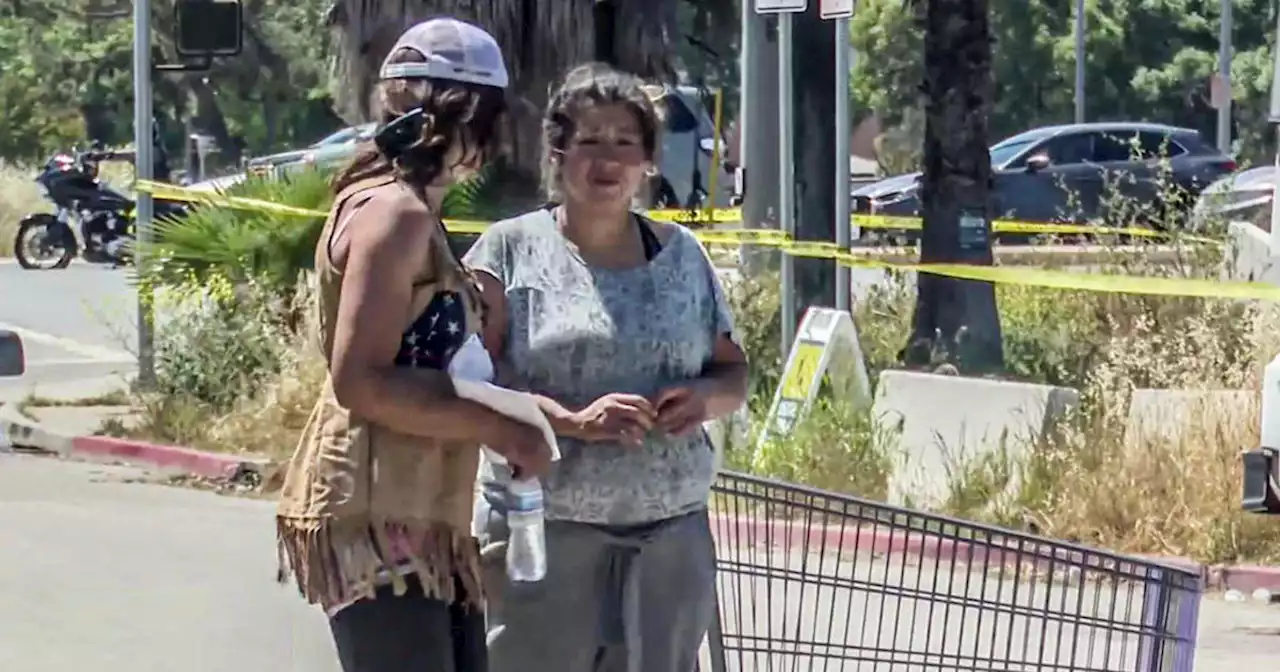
x: 68, y: 78
x: 1146, y: 60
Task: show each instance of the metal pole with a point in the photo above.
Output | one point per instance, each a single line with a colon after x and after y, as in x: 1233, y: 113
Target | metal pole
x: 786, y: 177
x: 843, y: 122
x: 1275, y: 202
x: 1080, y: 28
x: 142, y: 142
x: 717, y: 165
x: 750, y: 43
x: 1224, y: 72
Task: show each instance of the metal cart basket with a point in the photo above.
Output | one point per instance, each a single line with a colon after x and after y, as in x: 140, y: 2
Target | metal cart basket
x: 812, y: 580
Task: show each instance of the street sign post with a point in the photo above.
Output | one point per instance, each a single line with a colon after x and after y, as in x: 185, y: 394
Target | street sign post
x: 781, y: 6
x: 143, y: 169
x: 786, y: 173
x: 840, y: 11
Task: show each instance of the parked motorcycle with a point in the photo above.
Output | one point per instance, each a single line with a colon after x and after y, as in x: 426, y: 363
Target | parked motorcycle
x: 90, y: 216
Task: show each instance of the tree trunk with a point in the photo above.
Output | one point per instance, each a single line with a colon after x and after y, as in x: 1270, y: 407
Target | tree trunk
x: 815, y: 80
x: 955, y: 319
x: 541, y: 40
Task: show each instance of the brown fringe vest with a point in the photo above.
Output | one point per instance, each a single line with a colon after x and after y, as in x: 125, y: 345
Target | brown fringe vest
x: 363, y: 504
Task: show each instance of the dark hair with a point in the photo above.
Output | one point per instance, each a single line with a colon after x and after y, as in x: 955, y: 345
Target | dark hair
x: 586, y: 86
x: 453, y: 112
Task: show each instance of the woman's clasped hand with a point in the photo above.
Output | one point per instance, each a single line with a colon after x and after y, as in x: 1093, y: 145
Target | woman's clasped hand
x: 629, y: 418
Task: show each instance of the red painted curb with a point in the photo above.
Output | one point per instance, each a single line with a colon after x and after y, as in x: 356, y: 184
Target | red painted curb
x: 195, y: 462
x: 849, y: 540
x: 1245, y: 578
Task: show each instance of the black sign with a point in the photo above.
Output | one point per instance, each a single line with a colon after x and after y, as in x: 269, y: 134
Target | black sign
x: 209, y: 27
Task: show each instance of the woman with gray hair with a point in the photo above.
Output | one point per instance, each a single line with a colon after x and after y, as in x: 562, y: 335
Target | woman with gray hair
x: 620, y: 327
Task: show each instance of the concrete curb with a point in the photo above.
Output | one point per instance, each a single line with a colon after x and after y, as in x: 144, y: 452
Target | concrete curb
x: 18, y: 431
x: 165, y: 458
x: 849, y: 541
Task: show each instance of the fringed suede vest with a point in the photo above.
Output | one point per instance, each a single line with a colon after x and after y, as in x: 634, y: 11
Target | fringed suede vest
x: 362, y: 504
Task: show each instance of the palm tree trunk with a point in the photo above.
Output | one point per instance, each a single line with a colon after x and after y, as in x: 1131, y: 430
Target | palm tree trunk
x: 956, y: 318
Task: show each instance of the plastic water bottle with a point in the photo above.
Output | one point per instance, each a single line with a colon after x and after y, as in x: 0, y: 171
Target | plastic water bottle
x: 527, y: 544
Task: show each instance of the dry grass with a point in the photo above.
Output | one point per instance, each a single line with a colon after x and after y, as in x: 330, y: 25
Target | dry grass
x: 1175, y: 489
x: 19, y: 196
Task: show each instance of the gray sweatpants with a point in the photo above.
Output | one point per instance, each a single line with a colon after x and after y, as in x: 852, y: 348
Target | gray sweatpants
x: 615, y: 599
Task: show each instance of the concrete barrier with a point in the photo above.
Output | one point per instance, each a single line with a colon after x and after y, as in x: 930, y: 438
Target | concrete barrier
x: 946, y: 423
x: 1249, y: 255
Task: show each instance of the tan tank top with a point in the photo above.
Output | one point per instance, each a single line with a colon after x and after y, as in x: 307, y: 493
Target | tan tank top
x: 363, y: 504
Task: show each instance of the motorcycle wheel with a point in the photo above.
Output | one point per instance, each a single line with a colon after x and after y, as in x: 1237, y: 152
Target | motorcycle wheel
x: 39, y: 247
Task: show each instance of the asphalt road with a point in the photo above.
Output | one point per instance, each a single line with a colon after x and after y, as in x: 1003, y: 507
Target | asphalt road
x: 78, y: 328
x: 101, y: 573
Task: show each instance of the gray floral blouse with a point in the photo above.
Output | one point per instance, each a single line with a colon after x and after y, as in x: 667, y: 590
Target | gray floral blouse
x: 576, y: 333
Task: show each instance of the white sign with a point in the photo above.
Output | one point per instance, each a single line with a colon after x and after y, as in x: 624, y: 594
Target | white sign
x: 1219, y: 91
x: 835, y: 9
x: 824, y: 333
x: 781, y: 6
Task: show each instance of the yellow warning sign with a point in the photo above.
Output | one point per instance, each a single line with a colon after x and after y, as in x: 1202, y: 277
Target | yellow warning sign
x: 803, y: 368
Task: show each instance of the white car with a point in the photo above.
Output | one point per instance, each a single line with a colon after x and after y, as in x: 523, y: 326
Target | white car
x: 1243, y: 196
x: 218, y: 184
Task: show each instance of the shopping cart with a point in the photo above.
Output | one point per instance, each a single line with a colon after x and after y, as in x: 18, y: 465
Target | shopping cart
x: 812, y: 580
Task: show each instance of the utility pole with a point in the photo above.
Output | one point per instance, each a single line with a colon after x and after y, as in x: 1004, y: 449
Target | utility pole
x: 1081, y: 26
x: 1224, y: 76
x: 143, y: 169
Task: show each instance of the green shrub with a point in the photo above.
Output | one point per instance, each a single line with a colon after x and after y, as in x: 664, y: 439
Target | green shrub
x: 270, y: 248
x: 838, y: 446
x: 216, y: 344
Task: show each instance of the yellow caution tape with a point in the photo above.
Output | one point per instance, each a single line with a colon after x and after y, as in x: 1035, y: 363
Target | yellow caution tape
x: 1021, y: 275
x: 715, y: 216
x: 176, y: 193
x: 1031, y: 228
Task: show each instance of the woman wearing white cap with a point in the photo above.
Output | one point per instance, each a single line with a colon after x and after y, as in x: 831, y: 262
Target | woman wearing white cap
x: 375, y: 513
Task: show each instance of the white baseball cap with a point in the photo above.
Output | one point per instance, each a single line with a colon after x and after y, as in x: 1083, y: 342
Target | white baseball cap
x: 455, y: 50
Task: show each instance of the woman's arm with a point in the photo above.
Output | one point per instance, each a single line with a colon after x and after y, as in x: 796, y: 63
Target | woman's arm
x: 563, y: 421
x: 721, y: 389
x: 388, y: 242
x: 724, y: 380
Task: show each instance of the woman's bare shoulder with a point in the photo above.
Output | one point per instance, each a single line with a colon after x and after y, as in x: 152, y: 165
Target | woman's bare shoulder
x: 393, y: 225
